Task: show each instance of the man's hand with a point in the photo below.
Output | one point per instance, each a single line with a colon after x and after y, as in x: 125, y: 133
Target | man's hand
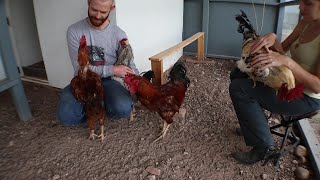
x: 122, y: 70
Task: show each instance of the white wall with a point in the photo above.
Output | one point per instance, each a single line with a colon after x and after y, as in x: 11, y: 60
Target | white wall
x: 24, y: 30
x: 53, y: 18
x: 152, y: 26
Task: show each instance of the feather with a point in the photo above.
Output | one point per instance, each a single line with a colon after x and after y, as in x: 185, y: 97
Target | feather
x: 292, y: 94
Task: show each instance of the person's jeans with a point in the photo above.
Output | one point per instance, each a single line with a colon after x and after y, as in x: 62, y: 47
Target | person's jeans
x: 249, y: 103
x: 117, y: 100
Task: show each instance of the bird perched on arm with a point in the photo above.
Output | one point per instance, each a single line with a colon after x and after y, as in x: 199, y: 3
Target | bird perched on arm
x: 87, y: 88
x: 165, y: 99
x: 279, y: 78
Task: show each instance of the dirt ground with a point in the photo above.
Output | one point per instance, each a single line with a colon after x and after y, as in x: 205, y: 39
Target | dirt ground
x: 196, y: 147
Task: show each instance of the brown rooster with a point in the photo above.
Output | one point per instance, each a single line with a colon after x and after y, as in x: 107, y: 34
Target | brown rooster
x: 165, y: 99
x: 279, y: 78
x: 87, y: 88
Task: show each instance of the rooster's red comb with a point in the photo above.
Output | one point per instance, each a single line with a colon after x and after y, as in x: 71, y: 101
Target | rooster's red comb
x: 123, y: 42
x: 83, y: 41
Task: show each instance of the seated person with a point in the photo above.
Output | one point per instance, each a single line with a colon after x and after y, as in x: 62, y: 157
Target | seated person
x: 249, y: 103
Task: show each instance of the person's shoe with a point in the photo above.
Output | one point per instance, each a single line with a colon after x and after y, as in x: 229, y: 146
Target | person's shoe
x: 256, y: 154
x: 239, y: 132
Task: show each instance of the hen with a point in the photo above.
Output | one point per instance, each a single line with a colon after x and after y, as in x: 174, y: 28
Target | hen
x: 87, y: 88
x: 279, y: 78
x: 124, y: 58
x: 165, y: 99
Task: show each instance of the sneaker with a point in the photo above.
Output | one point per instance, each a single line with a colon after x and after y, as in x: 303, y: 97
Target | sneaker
x: 255, y: 155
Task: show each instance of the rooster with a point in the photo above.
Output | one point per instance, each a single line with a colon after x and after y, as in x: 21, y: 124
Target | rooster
x: 279, y: 78
x: 87, y: 88
x: 165, y: 99
x: 124, y: 58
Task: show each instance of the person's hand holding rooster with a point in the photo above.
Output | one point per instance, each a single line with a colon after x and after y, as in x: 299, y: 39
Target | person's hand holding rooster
x: 122, y: 70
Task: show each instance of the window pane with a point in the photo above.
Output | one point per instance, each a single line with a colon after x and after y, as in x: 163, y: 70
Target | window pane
x: 291, y: 17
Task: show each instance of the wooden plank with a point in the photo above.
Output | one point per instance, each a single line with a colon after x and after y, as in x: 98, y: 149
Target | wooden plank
x: 201, y: 49
x: 312, y: 143
x: 168, y: 52
x: 157, y: 68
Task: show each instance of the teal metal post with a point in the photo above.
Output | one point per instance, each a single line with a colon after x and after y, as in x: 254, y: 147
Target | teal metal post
x: 13, y: 81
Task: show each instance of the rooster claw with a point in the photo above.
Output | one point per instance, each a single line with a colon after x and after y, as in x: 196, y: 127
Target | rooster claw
x: 102, y: 136
x: 133, y: 115
x: 92, y: 135
x: 158, y: 138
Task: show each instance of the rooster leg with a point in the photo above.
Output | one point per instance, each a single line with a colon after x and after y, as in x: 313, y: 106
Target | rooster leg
x: 254, y: 84
x: 254, y: 81
x: 163, y: 132
x: 102, y: 136
x: 92, y: 134
x: 166, y: 129
x: 163, y: 128
x: 133, y: 115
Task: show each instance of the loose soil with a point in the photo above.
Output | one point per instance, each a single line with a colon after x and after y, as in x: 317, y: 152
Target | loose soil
x: 196, y: 147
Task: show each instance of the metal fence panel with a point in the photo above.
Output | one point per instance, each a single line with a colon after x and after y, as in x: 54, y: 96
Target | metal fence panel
x: 222, y: 38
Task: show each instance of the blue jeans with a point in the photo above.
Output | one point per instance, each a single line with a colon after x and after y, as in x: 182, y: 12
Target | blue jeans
x: 117, y: 100
x: 249, y: 104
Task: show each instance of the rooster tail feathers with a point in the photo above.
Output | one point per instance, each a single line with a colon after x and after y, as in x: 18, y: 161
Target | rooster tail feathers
x: 244, y: 22
x: 288, y: 95
x: 179, y: 72
x: 149, y: 75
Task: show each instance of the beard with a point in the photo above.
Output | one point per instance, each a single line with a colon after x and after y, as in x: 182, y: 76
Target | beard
x: 97, y: 22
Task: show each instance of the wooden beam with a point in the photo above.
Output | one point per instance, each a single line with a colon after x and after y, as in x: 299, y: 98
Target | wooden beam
x: 157, y: 60
x: 176, y: 48
x: 157, y: 68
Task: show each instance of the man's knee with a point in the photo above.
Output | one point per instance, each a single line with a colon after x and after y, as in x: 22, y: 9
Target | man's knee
x: 70, y: 114
x: 69, y: 110
x: 120, y: 109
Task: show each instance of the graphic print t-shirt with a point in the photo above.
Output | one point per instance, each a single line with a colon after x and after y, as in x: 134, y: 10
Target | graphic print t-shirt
x: 103, y: 46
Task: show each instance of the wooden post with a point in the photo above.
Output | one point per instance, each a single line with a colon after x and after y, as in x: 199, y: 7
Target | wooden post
x: 201, y: 49
x: 157, y: 68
